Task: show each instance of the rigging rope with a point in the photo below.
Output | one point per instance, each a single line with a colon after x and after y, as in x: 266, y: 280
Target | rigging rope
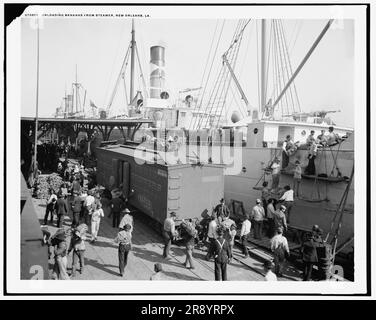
x: 199, y: 105
x: 113, y: 64
x: 291, y: 71
x: 286, y: 59
x: 237, y: 40
x: 209, y: 107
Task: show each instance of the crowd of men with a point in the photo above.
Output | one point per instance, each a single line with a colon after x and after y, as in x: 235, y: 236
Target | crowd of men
x: 85, y: 201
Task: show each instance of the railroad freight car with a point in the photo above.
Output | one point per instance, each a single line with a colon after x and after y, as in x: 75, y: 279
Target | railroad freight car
x: 189, y: 189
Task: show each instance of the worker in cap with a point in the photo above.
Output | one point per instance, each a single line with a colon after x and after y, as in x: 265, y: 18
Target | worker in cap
x: 258, y: 216
x: 124, y: 239
x: 280, y: 249
x: 280, y: 218
x: 221, y: 210
x: 59, y: 246
x: 297, y: 178
x: 169, y: 233
x: 127, y: 219
x: 221, y: 251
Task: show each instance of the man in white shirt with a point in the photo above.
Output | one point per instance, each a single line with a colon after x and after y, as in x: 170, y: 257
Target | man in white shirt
x: 269, y: 274
x: 89, y: 206
x: 258, y: 215
x: 212, y: 231
x: 280, y: 248
x: 127, y: 219
x: 169, y: 233
x: 276, y: 168
x: 332, y: 137
x: 288, y: 201
x: 244, y: 232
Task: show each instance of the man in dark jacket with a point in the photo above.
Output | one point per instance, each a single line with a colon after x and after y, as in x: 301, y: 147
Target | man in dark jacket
x: 76, y: 208
x: 61, y: 210
x: 50, y: 209
x: 309, y: 256
x: 117, y: 205
x: 222, y: 255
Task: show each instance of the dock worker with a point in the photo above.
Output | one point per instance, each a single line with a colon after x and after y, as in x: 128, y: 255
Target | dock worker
x: 96, y: 216
x: 270, y: 213
x: 124, y: 239
x: 333, y: 138
x: 269, y: 274
x: 280, y: 218
x: 297, y: 178
x: 232, y: 239
x: 212, y: 231
x: 59, y: 245
x: 258, y: 215
x: 244, y: 233
x: 77, y: 244
x: 288, y: 201
x: 288, y: 148
x: 280, y: 249
x: 76, y: 208
x: 276, y: 173
x: 117, y: 205
x: 222, y: 256
x: 321, y: 138
x: 127, y: 219
x: 61, y: 210
x: 265, y: 194
x: 311, y: 138
x: 189, y: 236
x: 312, y: 153
x: 222, y: 210
x: 51, y: 208
x: 169, y: 233
x: 89, y: 206
x: 309, y: 255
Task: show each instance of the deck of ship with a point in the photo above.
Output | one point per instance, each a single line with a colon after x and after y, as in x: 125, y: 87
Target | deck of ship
x: 101, y: 259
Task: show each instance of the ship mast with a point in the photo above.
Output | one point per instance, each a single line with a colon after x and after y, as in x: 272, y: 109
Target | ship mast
x: 76, y: 86
x: 263, y: 65
x: 133, y: 49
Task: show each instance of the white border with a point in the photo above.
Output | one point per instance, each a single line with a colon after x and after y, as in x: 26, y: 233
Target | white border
x: 13, y: 176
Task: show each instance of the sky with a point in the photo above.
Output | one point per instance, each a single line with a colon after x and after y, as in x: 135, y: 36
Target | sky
x: 98, y: 46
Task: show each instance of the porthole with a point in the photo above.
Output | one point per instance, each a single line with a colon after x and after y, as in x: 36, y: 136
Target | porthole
x: 255, y: 130
x: 304, y: 133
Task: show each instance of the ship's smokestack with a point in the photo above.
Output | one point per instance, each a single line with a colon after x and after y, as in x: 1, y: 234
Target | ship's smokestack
x: 157, y: 73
